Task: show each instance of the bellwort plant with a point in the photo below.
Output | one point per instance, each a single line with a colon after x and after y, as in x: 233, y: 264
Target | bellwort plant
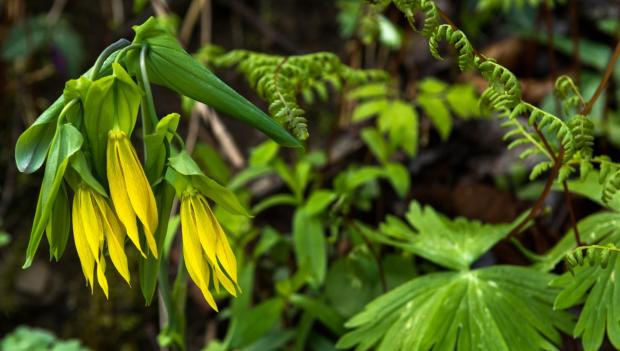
x: 96, y: 186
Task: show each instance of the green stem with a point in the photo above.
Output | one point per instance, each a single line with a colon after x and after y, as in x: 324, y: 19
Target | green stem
x: 66, y: 109
x: 125, y: 50
x: 117, y: 45
x: 146, y: 85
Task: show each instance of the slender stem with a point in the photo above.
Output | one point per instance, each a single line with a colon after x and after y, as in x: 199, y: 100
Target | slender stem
x: 117, y: 45
x: 124, y: 50
x: 571, y: 211
x: 146, y: 85
x: 65, y: 110
x: 541, y: 199
x: 599, y: 90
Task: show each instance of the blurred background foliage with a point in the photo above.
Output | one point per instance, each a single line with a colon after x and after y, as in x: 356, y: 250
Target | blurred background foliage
x: 309, y: 262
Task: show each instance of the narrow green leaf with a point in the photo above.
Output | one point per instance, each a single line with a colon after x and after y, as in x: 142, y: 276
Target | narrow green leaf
x: 310, y: 245
x: 65, y: 144
x: 185, y: 165
x: 169, y: 65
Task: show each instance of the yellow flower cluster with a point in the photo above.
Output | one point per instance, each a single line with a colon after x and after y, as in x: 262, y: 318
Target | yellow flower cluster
x: 205, y: 247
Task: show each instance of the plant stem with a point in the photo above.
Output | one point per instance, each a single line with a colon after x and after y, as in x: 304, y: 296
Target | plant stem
x: 599, y: 90
x: 571, y: 211
x: 119, y: 44
x: 150, y: 104
x: 541, y: 199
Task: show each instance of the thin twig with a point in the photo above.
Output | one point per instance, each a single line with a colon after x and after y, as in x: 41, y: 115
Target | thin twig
x: 571, y: 211
x: 223, y: 136
x: 191, y: 17
x: 541, y: 198
x: 608, y: 71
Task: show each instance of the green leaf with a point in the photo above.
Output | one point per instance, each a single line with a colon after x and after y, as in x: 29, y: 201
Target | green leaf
x: 310, y: 245
x: 79, y: 164
x: 318, y: 202
x: 432, y: 86
x: 463, y: 100
x: 185, y: 165
x: 376, y: 143
x: 369, y: 91
x: 262, y: 154
x: 275, y: 200
x: 454, y: 244
x: 368, y: 109
x: 65, y: 144
x: 59, y: 224
x: 398, y: 176
x: 401, y: 123
x: 318, y: 309
x: 149, y: 266
x: 169, y: 65
x: 352, y: 281
x: 111, y: 101
x: 592, y: 228
x: 250, y: 324
x: 438, y: 113
x: 500, y: 308
x: 157, y: 145
x: 211, y: 162
x: 595, y: 287
x: 33, y: 144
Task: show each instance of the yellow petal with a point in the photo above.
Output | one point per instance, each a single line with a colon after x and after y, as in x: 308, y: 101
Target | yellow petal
x: 224, y: 253
x: 115, y: 237
x: 204, y: 226
x: 90, y: 221
x: 81, y: 246
x: 118, y: 192
x: 138, y: 190
x: 219, y: 276
x: 103, y: 282
x: 192, y: 252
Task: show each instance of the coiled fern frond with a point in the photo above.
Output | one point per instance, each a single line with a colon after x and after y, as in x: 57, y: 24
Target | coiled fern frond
x: 501, y: 79
x: 549, y: 123
x: 427, y: 7
x: 582, y: 129
x: 280, y: 79
x: 568, y: 93
x: 456, y: 38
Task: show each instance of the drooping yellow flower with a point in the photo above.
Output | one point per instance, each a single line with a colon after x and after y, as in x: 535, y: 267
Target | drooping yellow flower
x: 94, y: 225
x: 130, y: 190
x: 205, y: 247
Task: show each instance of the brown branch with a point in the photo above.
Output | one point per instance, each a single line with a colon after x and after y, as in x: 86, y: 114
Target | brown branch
x: 541, y: 199
x: 599, y: 90
x: 571, y: 211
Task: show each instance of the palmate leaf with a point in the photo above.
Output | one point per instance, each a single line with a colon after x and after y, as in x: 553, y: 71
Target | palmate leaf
x: 595, y: 287
x: 453, y: 244
x: 495, y: 308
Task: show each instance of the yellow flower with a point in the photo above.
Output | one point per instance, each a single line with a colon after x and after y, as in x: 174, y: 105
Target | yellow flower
x: 130, y: 190
x: 94, y: 225
x: 205, y: 247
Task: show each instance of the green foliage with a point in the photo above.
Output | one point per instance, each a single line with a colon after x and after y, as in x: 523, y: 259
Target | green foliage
x: 279, y: 80
x: 464, y: 309
x: 399, y: 120
x: 594, y: 285
x: 35, y: 339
